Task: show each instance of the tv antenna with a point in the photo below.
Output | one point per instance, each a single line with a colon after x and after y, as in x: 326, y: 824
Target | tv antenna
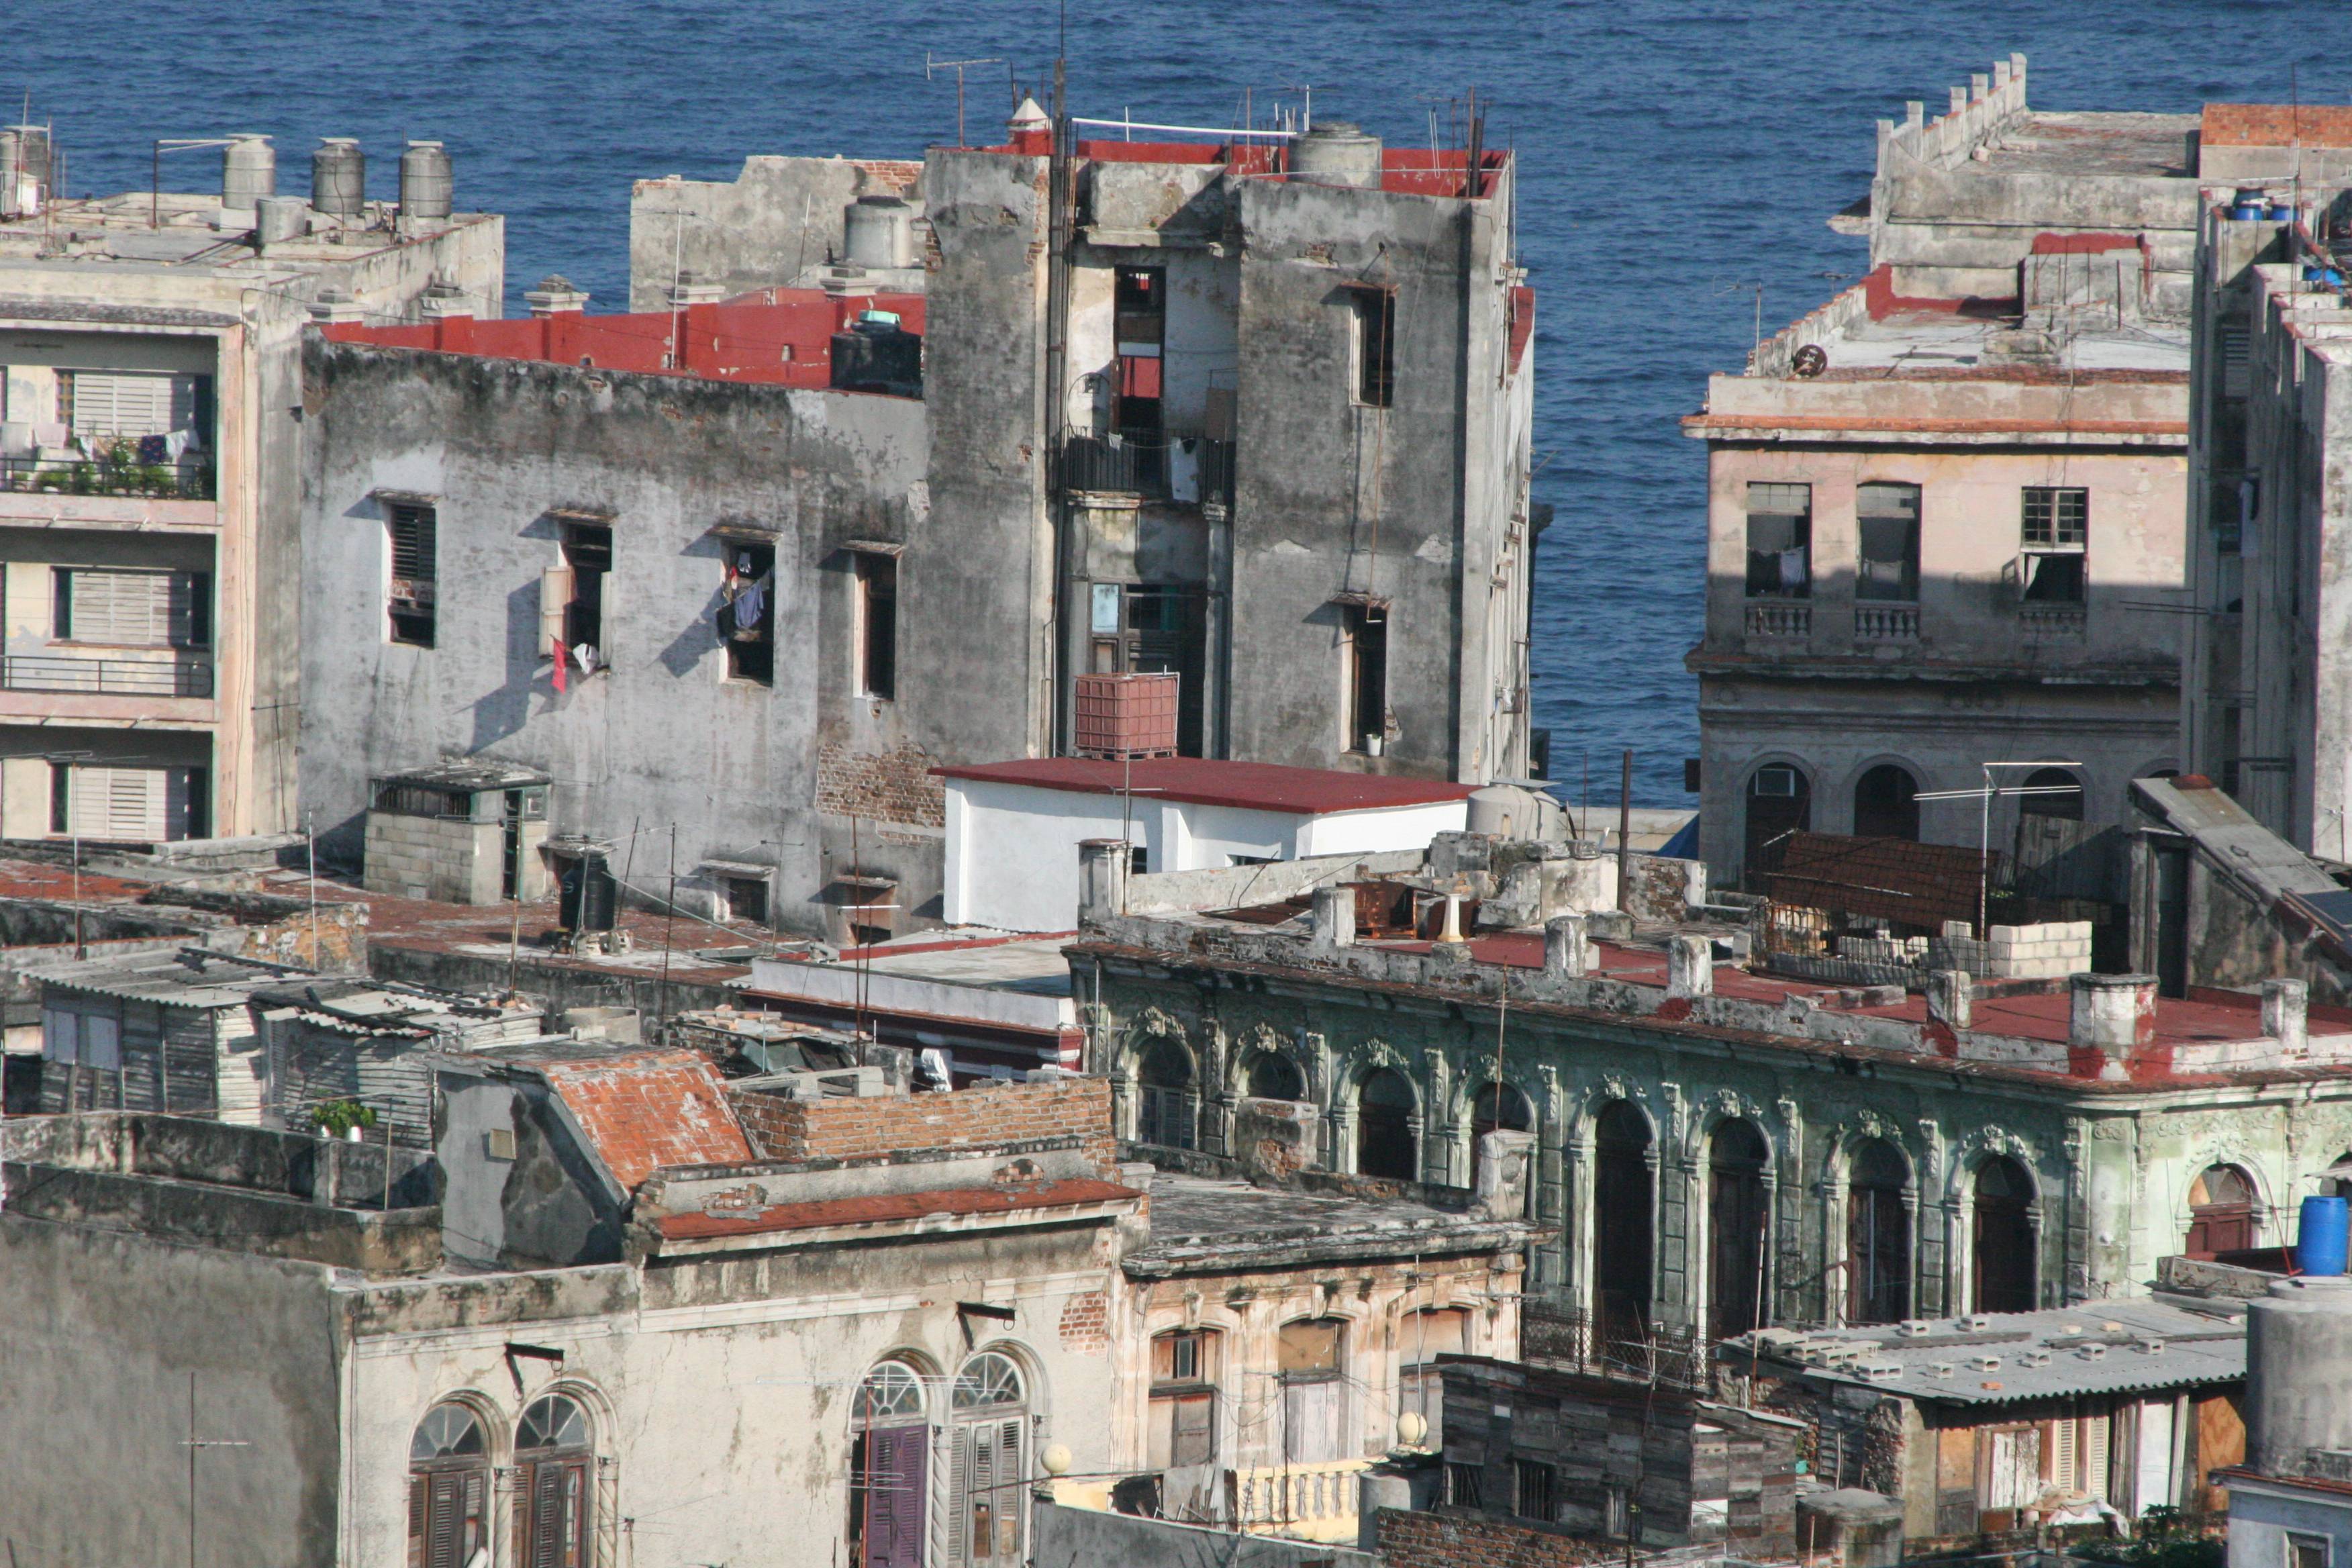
x: 931, y: 67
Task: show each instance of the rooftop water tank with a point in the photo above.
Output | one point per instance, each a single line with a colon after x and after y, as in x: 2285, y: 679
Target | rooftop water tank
x: 427, y: 181
x: 282, y: 218
x: 24, y: 169
x: 1337, y: 153
x: 881, y: 231
x: 339, y: 177
x: 248, y: 173
x: 2298, y: 1372
x: 1508, y: 810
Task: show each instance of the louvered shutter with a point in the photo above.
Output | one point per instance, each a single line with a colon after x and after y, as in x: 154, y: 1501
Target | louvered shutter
x: 420, y: 1508
x: 2094, y: 1455
x: 131, y: 402
x: 545, y: 1543
x: 121, y: 804
x: 894, y: 1492
x: 2237, y: 359
x: 129, y: 609
x: 2065, y: 1457
x: 448, y: 1508
x: 960, y: 1497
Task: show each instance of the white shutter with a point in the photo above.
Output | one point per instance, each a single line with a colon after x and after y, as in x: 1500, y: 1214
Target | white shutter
x: 2094, y: 1455
x: 101, y: 1042
x: 60, y: 1035
x: 124, y: 805
x: 555, y: 591
x: 130, y: 403
x: 128, y: 609
x: 2152, y: 1479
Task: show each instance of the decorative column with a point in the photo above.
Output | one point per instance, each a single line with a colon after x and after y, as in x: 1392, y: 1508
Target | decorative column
x: 1439, y: 1137
x: 1548, y: 1265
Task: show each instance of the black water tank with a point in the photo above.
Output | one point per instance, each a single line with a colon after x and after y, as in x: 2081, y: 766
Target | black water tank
x: 587, y: 896
x: 879, y: 359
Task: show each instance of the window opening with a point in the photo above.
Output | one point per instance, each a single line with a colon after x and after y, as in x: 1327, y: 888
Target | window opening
x: 2055, y: 531
x: 555, y: 1464
x: 1464, y: 1484
x: 1737, y: 1220
x: 1385, y: 1144
x: 1780, y: 802
x: 2066, y: 802
x: 2220, y: 1212
x: 1154, y: 628
x: 129, y: 806
x: 889, y: 1451
x: 747, y: 615
x: 1165, y: 1115
x: 572, y: 597
x: 1424, y: 1337
x: 989, y: 1476
x: 411, y: 599
x: 2307, y: 1551
x: 1622, y: 1206
x: 1887, y: 564
x: 746, y: 898
x: 1184, y: 1417
x: 1779, y: 541
x: 1878, y: 1237
x: 1309, y: 1361
x: 1140, y: 313
x: 1886, y: 804
x: 1364, y: 630
x: 1274, y: 1076
x: 1374, y: 312
x: 2004, y: 1237
x: 1532, y: 1484
x: 132, y: 609
x: 878, y: 626
x: 448, y: 1489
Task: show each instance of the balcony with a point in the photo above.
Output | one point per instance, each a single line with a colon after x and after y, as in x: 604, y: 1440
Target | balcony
x: 1186, y: 469
x: 106, y: 677
x: 124, y: 475
x: 1306, y: 1502
x: 1779, y: 618
x: 2051, y: 621
x: 1886, y: 623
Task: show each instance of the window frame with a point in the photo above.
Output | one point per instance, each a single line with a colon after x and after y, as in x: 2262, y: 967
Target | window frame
x: 1535, y: 1489
x: 2057, y: 537
x: 1907, y: 590
x: 1754, y: 583
x: 2296, y: 1541
x: 1371, y: 345
x: 875, y: 577
x: 742, y: 666
x: 1181, y: 1386
x: 1364, y: 646
x: 411, y: 618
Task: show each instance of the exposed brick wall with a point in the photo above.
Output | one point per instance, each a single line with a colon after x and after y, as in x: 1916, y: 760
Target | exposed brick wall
x: 1460, y: 1540
x: 985, y: 1117
x: 881, y: 786
x: 1085, y: 1323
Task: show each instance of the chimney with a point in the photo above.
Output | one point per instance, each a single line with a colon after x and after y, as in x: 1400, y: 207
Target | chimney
x: 1567, y: 954
x: 444, y: 301
x: 555, y: 296
x: 1102, y: 879
x: 1030, y: 130
x: 2284, y: 1004
x: 1334, y: 917
x: 333, y: 307
x: 1690, y: 965
x: 689, y: 290
x: 2113, y: 1015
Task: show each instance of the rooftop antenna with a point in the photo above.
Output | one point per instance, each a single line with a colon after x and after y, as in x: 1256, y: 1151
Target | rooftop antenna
x: 931, y: 66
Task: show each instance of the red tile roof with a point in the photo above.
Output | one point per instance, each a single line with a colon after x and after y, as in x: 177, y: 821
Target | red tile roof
x: 1251, y: 786
x: 646, y: 1108
x: 883, y: 1208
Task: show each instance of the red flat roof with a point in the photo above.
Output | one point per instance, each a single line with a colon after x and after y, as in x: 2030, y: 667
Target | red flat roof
x: 1251, y: 786
x: 882, y: 1208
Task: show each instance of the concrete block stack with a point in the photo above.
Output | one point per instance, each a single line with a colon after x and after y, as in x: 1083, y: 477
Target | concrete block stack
x: 2048, y: 952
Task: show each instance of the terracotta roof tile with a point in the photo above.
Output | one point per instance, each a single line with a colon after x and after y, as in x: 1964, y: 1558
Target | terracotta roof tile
x: 649, y: 1109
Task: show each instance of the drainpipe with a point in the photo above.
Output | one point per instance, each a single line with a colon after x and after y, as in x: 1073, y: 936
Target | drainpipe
x: 1060, y: 173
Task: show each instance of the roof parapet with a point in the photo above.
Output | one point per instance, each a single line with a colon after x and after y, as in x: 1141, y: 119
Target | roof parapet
x: 1979, y: 111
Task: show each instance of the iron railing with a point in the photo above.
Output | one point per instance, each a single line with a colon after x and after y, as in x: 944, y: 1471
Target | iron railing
x: 187, y: 479
x: 1570, y: 1339
x: 106, y: 677
x: 1186, y: 468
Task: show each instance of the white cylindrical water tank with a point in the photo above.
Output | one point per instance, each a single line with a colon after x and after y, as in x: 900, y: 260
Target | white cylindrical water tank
x: 1508, y: 810
x: 2298, y: 1372
x: 1337, y: 153
x: 339, y: 176
x: 880, y: 232
x: 248, y: 173
x: 427, y: 181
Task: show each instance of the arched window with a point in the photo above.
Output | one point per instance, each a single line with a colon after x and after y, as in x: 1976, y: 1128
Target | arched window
x: 2003, y: 1250
x: 1498, y: 1108
x: 1165, y: 1115
x: 1878, y: 1237
x: 1621, y: 1228
x: 1183, y: 1420
x: 888, y: 1450
x: 2066, y: 802
x: 1737, y: 1219
x: 1780, y: 802
x: 1385, y: 1145
x: 989, y: 1403
x: 1310, y: 1365
x: 1885, y: 804
x: 556, y: 1458
x: 1274, y: 1076
x: 2220, y: 1212
x: 449, y: 1487
x: 1422, y: 1338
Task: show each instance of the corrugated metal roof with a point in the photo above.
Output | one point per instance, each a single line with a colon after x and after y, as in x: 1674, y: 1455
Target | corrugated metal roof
x: 2009, y: 1358
x: 178, y: 982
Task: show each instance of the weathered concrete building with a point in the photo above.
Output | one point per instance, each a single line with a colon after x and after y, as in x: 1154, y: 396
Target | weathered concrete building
x: 2264, y: 659
x: 150, y: 474
x: 1945, y: 511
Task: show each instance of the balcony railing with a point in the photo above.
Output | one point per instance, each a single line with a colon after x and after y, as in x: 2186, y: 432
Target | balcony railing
x: 1189, y: 469
x: 106, y: 677
x: 188, y: 479
x: 1311, y: 1502
x: 1570, y: 1339
x: 1886, y: 623
x: 2042, y: 623
x: 1779, y: 618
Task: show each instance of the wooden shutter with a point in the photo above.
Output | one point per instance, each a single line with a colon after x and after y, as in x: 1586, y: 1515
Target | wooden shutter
x: 960, y: 1497
x: 2093, y: 1462
x: 130, y: 403
x: 1007, y: 1510
x: 2237, y: 359
x: 119, y: 805
x: 895, y: 1482
x: 130, y: 610
x: 556, y: 587
x: 1194, y: 1439
x: 443, y: 1547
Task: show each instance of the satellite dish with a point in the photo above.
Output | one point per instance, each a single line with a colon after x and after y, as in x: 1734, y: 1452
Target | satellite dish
x: 1809, y: 360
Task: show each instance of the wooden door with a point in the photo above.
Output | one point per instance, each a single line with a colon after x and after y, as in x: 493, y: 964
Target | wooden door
x: 896, y: 1461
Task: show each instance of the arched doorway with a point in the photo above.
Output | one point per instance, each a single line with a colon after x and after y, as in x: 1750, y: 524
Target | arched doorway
x: 1385, y: 1145
x: 2220, y: 1212
x: 1737, y: 1217
x: 1878, y: 1237
x: 1622, y: 1202
x: 1885, y: 804
x: 2065, y: 801
x: 2003, y: 1243
x: 888, y: 1450
x: 1780, y: 802
x: 555, y: 1457
x: 449, y: 1487
x: 990, y: 1405
x: 1274, y: 1076
x: 1498, y: 1108
x: 1165, y: 1109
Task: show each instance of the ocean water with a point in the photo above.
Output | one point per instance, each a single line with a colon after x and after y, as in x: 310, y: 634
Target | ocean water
x: 1678, y: 156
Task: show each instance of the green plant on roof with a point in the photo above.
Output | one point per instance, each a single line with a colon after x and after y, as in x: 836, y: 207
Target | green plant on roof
x: 336, y: 1117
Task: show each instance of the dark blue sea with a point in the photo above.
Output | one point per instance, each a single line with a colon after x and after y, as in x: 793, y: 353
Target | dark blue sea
x: 1675, y: 157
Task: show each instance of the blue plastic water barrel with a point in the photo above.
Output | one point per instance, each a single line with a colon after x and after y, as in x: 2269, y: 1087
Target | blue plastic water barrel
x: 2319, y: 1237
x: 2281, y: 212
